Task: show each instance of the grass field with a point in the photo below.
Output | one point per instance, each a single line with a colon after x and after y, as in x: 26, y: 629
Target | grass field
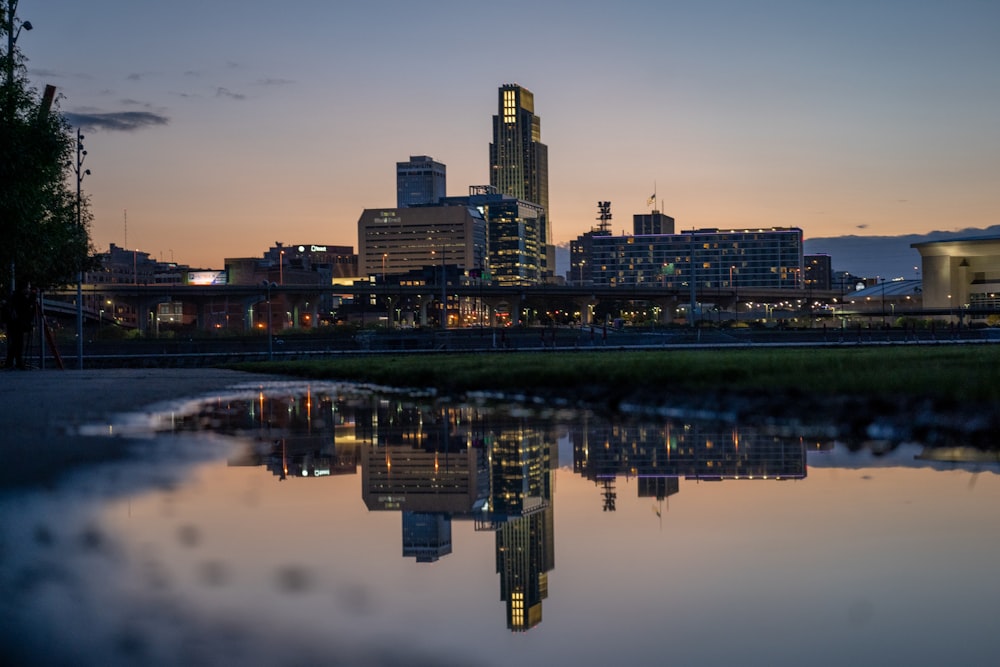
x: 967, y: 373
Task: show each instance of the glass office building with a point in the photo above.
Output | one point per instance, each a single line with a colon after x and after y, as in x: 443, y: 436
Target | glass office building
x: 711, y: 258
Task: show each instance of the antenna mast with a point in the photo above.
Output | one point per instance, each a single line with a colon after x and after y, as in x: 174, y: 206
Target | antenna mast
x: 604, y: 215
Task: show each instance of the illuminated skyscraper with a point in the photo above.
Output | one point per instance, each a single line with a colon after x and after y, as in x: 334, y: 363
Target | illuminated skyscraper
x: 519, y: 161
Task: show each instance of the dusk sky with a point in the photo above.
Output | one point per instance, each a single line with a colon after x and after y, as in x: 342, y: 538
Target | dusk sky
x: 223, y: 127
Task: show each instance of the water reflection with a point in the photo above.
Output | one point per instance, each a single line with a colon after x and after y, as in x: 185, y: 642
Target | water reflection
x: 494, y: 467
x: 349, y: 521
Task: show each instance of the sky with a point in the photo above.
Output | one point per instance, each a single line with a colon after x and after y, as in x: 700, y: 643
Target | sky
x: 215, y: 129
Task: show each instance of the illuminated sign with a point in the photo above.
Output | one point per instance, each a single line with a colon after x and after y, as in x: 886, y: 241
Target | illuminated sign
x: 206, y: 278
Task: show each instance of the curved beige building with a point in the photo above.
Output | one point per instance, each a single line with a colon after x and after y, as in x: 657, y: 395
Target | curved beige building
x: 961, y: 273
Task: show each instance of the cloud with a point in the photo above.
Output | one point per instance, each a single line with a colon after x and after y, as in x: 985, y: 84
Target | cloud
x: 116, y: 121
x: 225, y: 92
x: 274, y: 82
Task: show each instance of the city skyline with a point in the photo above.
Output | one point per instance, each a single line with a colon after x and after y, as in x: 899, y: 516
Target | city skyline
x: 221, y: 133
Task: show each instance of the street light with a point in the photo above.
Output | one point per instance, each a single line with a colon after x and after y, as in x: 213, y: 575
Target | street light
x: 270, y: 339
x: 81, y: 155
x: 388, y: 300
x: 736, y: 294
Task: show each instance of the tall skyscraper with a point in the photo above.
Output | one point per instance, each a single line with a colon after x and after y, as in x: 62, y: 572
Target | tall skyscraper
x: 519, y: 161
x: 419, y: 181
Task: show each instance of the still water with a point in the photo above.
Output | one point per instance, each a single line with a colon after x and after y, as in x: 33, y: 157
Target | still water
x: 300, y: 525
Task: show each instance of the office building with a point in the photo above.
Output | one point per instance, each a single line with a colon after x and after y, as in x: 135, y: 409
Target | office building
x: 818, y: 272
x: 394, y: 241
x: 708, y: 258
x: 515, y: 243
x: 419, y: 181
x: 519, y: 161
x: 581, y: 252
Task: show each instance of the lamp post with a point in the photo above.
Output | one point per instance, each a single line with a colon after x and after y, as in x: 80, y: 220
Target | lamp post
x: 736, y: 294
x: 388, y: 300
x: 81, y: 155
x: 270, y: 339
x: 281, y: 267
x: 444, y: 293
x: 883, y: 303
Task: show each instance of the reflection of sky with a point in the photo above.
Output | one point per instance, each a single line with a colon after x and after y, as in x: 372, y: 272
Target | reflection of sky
x: 854, y: 564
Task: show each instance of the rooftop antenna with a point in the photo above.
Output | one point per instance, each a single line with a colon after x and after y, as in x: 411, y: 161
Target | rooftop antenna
x: 125, y: 221
x: 604, y: 215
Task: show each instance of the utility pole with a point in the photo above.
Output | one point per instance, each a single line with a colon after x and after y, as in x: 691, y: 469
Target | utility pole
x: 81, y: 155
x: 10, y: 110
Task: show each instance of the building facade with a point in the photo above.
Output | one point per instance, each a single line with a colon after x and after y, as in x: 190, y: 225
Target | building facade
x: 653, y: 222
x: 818, y: 272
x: 706, y: 259
x: 392, y: 241
x: 515, y: 242
x: 519, y: 161
x: 420, y: 181
x: 581, y: 253
x: 961, y: 273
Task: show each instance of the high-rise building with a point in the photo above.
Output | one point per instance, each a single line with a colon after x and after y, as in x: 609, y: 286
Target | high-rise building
x: 654, y: 222
x: 514, y: 232
x: 419, y: 181
x: 519, y: 161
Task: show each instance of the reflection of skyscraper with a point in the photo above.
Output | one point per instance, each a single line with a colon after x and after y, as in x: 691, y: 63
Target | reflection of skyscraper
x: 521, y: 500
x: 525, y: 554
x: 519, y: 161
x: 426, y: 537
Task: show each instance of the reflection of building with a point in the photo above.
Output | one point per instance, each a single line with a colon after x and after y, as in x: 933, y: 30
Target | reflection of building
x: 521, y: 504
x: 426, y: 536
x: 659, y: 455
x: 291, y: 436
x: 438, y: 465
x: 431, y: 464
x: 525, y: 555
x: 407, y: 477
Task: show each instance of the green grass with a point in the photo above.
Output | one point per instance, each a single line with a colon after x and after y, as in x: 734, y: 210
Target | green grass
x: 962, y: 373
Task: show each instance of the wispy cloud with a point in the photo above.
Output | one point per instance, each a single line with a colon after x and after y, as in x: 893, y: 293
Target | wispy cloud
x: 117, y: 121
x: 225, y: 92
x: 274, y: 82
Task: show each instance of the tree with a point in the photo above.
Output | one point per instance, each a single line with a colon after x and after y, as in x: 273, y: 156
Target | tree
x: 44, y: 238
